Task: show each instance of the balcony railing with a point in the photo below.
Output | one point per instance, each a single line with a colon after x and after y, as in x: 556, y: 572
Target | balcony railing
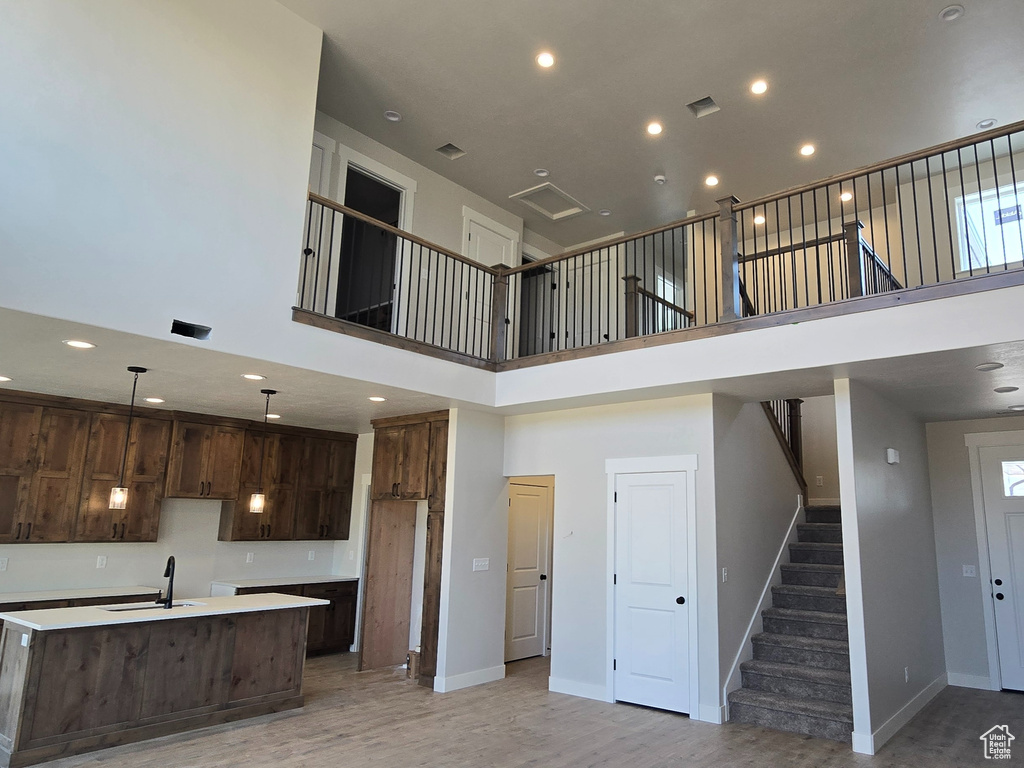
x: 935, y: 216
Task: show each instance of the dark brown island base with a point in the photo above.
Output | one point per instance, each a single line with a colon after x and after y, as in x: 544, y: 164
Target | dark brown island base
x: 74, y: 680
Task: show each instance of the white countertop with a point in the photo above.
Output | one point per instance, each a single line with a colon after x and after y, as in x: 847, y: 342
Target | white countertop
x: 282, y: 581
x: 75, y: 594
x: 98, y: 616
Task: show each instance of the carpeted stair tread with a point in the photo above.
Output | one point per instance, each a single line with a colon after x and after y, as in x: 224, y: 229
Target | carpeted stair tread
x: 820, y: 567
x: 824, y: 546
x: 801, y: 589
x: 802, y: 643
x: 795, y: 614
x: 797, y: 672
x: 826, y: 710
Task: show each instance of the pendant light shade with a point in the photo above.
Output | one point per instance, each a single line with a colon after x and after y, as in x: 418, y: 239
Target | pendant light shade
x: 119, y: 493
x: 258, y: 501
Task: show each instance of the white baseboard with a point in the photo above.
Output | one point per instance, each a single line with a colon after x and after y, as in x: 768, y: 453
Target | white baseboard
x: 709, y: 713
x: 822, y: 502
x: 981, y: 682
x: 869, y: 745
x: 468, y: 679
x: 574, y: 688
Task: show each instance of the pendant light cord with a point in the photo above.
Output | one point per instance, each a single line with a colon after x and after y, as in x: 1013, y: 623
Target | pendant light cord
x: 128, y: 433
x: 263, y: 446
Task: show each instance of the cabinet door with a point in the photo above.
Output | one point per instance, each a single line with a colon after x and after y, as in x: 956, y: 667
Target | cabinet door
x: 338, y: 506
x: 96, y: 521
x: 284, y: 486
x: 223, y: 459
x: 438, y: 469
x: 19, y: 437
x: 415, y: 459
x: 186, y: 477
x: 311, y: 498
x: 237, y: 522
x: 57, y: 481
x: 145, y: 474
x: 387, y: 462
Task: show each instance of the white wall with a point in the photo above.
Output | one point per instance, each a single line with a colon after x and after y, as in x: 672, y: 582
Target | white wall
x: 821, y: 458
x: 573, y: 445
x: 756, y: 500
x: 471, y: 636
x: 891, y: 577
x: 956, y: 545
x: 349, y: 555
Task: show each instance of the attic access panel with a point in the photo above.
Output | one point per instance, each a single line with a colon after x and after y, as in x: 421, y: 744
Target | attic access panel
x: 551, y: 202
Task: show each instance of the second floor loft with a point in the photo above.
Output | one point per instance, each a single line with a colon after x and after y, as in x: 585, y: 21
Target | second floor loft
x: 936, y: 222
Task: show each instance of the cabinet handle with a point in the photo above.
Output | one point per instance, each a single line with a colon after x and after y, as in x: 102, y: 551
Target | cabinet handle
x: 202, y: 489
x: 114, y: 534
x: 261, y: 530
x: 28, y: 532
x: 268, y: 530
x: 327, y: 531
x: 209, y: 487
x: 18, y: 534
x: 122, y: 530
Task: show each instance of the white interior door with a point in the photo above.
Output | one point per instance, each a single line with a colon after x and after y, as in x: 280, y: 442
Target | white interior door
x: 1002, y: 472
x: 529, y: 552
x: 652, y: 607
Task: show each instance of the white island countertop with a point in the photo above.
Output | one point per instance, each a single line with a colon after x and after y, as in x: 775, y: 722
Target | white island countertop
x: 282, y: 581
x: 43, y: 596
x: 131, y: 613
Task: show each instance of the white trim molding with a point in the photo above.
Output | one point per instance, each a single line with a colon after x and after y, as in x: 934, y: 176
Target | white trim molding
x: 468, y: 679
x: 960, y: 680
x: 468, y: 215
x: 869, y: 744
x: 574, y: 688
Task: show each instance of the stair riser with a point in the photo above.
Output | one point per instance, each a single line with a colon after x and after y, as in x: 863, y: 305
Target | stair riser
x: 811, y: 579
x: 823, y: 557
x: 787, y: 721
x: 824, y: 516
x: 805, y: 628
x: 802, y: 656
x: 800, y: 689
x: 816, y: 535
x: 809, y: 603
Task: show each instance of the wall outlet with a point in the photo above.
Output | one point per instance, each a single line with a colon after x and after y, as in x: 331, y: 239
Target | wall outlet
x: 971, y: 571
x: 3, y: 563
x: 101, y: 561
x: 481, y: 563
x: 892, y: 456
x: 906, y: 674
x: 819, y: 481
x: 725, y: 575
x: 312, y: 555
x: 248, y: 557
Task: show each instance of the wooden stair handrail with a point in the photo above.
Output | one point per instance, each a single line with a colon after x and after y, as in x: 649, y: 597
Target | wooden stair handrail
x: 792, y: 459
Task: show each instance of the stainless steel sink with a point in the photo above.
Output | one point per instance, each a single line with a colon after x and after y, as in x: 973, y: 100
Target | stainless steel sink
x: 152, y: 606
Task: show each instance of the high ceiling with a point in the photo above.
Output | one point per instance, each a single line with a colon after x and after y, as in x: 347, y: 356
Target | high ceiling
x: 862, y: 81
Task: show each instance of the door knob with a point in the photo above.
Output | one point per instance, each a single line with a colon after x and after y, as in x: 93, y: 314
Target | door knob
x: 543, y: 577
x: 680, y: 600
x: 999, y: 595
x: 999, y: 582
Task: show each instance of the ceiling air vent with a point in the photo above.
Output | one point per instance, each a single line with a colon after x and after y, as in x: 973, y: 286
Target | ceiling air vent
x: 703, y: 107
x: 450, y: 151
x: 549, y: 200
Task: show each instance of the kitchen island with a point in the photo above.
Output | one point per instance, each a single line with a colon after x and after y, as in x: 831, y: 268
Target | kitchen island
x: 78, y: 679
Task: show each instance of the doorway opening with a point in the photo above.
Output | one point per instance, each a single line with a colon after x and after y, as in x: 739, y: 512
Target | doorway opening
x: 528, y: 586
x: 538, y: 308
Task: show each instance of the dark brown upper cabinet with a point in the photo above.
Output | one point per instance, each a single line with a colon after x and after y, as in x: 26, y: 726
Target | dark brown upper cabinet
x: 205, y: 461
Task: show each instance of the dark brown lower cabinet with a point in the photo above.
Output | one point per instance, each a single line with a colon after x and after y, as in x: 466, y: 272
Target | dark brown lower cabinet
x: 332, y: 628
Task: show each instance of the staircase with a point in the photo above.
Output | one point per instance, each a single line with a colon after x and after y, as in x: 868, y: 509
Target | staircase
x: 799, y: 678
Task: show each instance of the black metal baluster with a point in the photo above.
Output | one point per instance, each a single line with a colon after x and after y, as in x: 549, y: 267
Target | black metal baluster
x: 981, y: 202
x: 999, y: 198
x: 931, y: 206
x: 949, y: 221
x: 963, y: 202
x: 1016, y: 193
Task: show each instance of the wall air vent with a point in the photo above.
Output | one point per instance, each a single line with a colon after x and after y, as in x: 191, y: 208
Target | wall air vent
x: 703, y: 107
x: 450, y: 151
x: 191, y: 330
x: 549, y: 200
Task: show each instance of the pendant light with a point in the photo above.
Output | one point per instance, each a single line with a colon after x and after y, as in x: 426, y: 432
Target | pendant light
x: 119, y: 493
x: 258, y: 501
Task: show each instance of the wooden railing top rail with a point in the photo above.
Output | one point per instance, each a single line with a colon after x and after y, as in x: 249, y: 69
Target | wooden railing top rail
x: 885, y: 165
x: 664, y: 302
x: 611, y: 243
x: 792, y: 247
x: 344, y: 209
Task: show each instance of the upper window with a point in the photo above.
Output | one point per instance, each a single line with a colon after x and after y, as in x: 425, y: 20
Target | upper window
x: 989, y: 224
x: 1013, y: 478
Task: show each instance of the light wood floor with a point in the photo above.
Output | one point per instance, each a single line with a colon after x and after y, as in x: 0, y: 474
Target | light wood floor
x: 380, y: 719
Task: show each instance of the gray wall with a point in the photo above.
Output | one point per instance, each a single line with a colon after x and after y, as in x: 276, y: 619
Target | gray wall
x: 820, y: 456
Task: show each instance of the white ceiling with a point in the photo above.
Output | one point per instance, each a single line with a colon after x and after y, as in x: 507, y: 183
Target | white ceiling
x: 863, y: 80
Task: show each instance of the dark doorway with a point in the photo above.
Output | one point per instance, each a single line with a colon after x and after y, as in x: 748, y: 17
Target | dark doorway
x: 538, y: 308
x: 366, y: 270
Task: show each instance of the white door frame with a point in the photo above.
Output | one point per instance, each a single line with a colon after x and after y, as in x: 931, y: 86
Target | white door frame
x: 468, y: 215
x: 974, y: 441
x: 544, y: 481
x: 688, y: 464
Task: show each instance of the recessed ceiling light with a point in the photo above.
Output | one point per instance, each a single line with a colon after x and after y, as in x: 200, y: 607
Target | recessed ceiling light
x: 660, y: 179
x: 988, y: 122
x: 377, y: 399
x: 604, y: 212
x: 1005, y: 390
x: 951, y: 12
x: 654, y: 128
x: 79, y: 344
x: 759, y: 219
x: 545, y: 59
x: 253, y: 376
x: 1016, y: 408
x: 759, y: 87
x: 989, y: 366
x: 542, y: 172
x: 154, y: 400
x: 5, y: 378
x: 273, y: 415
x: 846, y: 197
x: 392, y: 117
x: 807, y: 150
x: 711, y: 181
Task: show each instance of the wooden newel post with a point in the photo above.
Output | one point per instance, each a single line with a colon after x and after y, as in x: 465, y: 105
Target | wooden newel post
x: 729, y: 283
x: 499, y: 308
x: 632, y: 306
x: 796, y: 439
x: 855, y: 257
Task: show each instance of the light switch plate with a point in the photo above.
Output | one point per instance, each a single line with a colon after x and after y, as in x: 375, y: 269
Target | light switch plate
x: 3, y: 563
x: 970, y: 570
x: 892, y: 456
x: 312, y: 554
x: 101, y: 561
x: 248, y: 557
x: 24, y: 640
x: 481, y: 563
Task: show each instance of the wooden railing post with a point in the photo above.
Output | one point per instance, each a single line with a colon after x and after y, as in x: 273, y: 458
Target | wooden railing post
x: 854, y: 257
x: 632, y: 306
x: 796, y: 440
x: 729, y: 282
x: 499, y: 310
